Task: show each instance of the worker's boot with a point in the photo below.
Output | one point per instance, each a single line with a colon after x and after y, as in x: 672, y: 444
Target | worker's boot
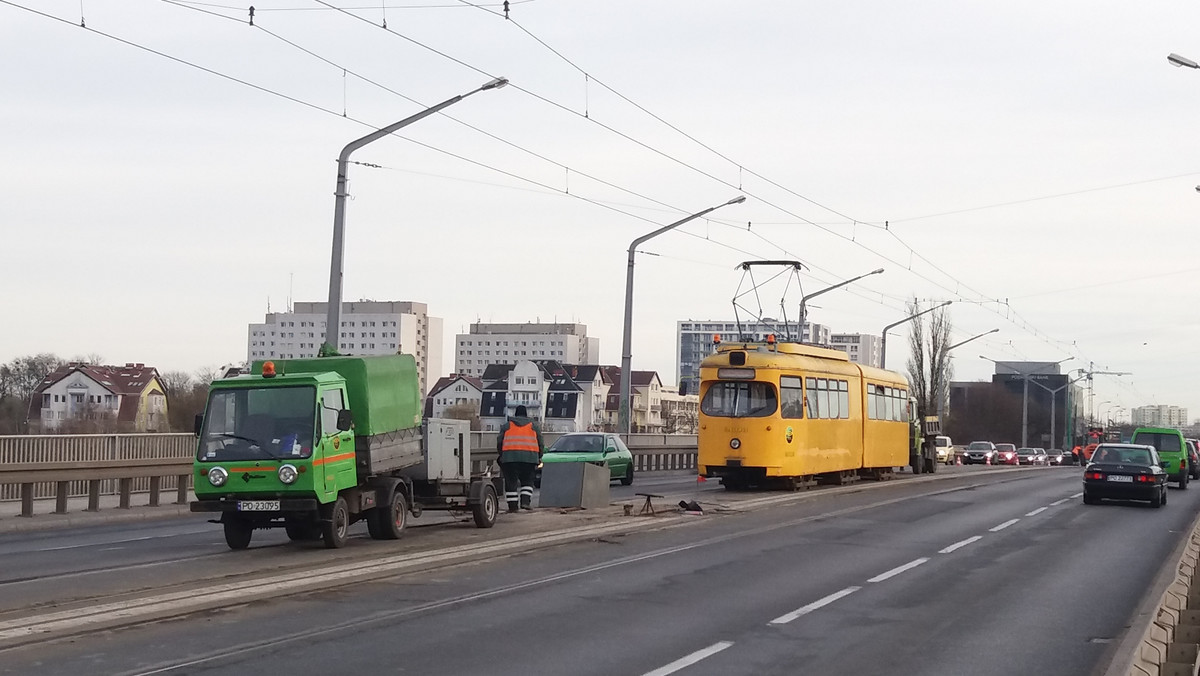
x: 527, y: 498
x: 513, y: 504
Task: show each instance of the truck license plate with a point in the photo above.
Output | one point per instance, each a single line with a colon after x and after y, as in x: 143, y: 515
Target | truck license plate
x: 258, y: 505
x: 1119, y: 477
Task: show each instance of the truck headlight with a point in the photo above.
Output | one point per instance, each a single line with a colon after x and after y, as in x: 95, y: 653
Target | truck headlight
x: 288, y: 474
x: 217, y: 476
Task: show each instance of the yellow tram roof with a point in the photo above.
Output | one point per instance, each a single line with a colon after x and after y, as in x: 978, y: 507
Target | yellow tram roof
x: 813, y: 357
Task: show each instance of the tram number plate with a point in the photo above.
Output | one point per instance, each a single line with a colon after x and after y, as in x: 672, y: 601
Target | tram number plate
x: 258, y: 505
x: 1119, y: 477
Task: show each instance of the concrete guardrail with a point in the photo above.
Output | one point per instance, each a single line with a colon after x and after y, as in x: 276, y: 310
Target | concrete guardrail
x: 1170, y: 643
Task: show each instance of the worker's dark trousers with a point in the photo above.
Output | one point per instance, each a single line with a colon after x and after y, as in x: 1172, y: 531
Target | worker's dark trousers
x: 518, y: 484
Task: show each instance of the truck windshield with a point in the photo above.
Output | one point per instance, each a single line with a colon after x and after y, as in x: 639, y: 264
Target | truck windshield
x: 264, y: 423
x: 739, y: 400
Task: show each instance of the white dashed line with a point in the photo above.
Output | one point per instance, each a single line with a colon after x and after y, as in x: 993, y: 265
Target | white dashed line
x: 784, y: 619
x: 896, y: 571
x: 1059, y: 502
x: 960, y: 544
x: 1004, y: 525
x: 689, y: 660
x: 1037, y: 511
x: 1077, y: 495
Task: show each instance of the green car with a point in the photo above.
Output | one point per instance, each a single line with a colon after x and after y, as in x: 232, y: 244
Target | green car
x: 1171, y: 447
x: 595, y: 447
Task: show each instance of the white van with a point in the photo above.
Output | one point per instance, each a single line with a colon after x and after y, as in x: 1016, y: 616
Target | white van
x: 945, y: 449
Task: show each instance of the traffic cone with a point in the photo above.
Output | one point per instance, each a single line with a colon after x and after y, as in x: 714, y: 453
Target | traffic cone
x: 958, y: 460
x: 987, y: 459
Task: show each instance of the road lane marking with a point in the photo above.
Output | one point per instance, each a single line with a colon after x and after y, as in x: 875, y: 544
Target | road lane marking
x: 960, y: 544
x: 1037, y: 511
x: 1059, y: 502
x: 897, y: 570
x: 1077, y: 495
x: 815, y: 605
x: 1004, y: 525
x: 689, y: 660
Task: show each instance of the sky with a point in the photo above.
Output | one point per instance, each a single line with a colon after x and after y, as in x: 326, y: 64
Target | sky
x: 168, y: 172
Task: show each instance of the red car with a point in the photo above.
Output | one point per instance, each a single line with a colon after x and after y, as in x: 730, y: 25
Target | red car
x: 1006, y: 454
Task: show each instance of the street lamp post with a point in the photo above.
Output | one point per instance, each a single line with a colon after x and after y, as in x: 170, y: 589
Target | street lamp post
x: 334, y: 311
x: 941, y: 403
x: 1181, y: 61
x: 623, y: 413
x: 1025, y: 375
x: 889, y: 327
x: 1054, y: 402
x: 804, y: 300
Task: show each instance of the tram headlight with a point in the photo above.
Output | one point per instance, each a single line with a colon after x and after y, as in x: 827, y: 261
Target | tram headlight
x: 735, y: 443
x: 288, y: 474
x: 217, y: 476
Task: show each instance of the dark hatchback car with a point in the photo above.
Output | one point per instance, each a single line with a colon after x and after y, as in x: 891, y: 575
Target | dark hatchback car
x: 1125, y: 472
x: 1193, y: 459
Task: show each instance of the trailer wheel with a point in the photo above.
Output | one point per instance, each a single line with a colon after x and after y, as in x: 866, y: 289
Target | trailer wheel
x: 336, y: 530
x: 238, y: 533
x: 487, y: 508
x: 392, y: 520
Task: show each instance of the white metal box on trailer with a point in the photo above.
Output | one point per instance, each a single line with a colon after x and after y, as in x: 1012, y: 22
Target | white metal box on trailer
x: 446, y: 445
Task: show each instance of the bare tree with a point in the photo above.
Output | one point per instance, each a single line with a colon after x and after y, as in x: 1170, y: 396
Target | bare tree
x: 175, y: 383
x: 929, y: 366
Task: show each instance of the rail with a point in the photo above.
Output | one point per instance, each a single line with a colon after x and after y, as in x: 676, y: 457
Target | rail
x: 66, y: 466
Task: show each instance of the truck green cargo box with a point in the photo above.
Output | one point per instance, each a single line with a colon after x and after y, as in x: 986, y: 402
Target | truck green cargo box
x: 383, y: 389
x: 385, y: 399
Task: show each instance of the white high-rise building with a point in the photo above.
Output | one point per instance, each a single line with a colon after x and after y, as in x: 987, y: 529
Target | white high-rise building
x: 368, y: 327
x: 862, y: 348
x: 694, y: 342
x: 488, y: 344
x: 1159, y: 416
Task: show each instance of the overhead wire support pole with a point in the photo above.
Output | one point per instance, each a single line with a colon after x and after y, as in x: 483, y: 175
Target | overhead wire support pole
x: 623, y: 412
x: 804, y: 299
x: 333, y: 316
x: 889, y: 327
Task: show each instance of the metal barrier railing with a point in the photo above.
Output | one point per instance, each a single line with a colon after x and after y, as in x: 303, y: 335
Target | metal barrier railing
x: 76, y: 465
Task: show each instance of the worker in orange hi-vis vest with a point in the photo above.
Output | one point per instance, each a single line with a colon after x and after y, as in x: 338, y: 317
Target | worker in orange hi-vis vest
x: 520, y: 447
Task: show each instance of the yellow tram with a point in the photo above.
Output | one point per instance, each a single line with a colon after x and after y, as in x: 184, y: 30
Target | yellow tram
x: 786, y: 413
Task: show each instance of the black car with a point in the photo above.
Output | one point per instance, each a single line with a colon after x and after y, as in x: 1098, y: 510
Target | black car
x: 1125, y: 472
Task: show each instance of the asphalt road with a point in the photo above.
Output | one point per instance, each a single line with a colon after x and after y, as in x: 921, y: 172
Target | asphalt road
x: 1011, y: 577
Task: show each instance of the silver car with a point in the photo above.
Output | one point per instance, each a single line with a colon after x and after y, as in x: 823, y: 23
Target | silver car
x: 1055, y: 456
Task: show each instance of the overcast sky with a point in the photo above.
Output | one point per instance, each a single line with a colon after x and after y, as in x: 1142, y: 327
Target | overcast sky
x: 1040, y: 159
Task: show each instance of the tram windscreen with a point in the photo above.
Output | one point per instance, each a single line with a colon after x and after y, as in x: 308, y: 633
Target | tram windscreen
x: 739, y: 400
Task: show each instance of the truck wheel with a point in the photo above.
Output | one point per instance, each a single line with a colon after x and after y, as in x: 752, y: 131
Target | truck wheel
x: 238, y: 533
x: 391, y: 519
x: 336, y: 530
x: 486, y: 509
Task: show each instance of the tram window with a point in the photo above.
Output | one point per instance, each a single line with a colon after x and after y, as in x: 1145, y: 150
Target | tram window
x: 834, y: 410
x: 739, y: 400
x: 814, y: 411
x: 823, y: 398
x: 791, y: 397
x: 844, y: 398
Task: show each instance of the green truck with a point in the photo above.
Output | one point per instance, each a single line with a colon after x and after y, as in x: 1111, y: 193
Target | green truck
x: 314, y: 445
